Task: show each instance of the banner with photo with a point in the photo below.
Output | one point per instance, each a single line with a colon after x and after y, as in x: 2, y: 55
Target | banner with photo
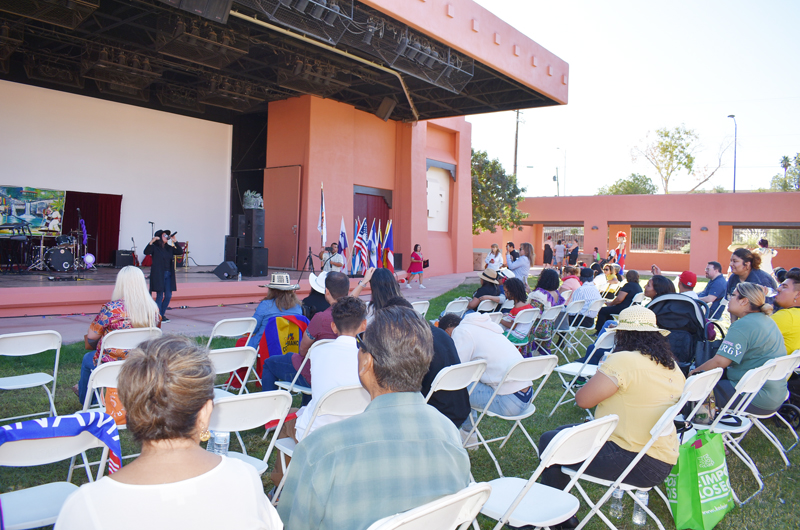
x: 39, y: 210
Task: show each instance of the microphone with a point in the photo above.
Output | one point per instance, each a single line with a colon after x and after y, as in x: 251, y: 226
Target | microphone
x: 79, y: 210
x: 151, y: 222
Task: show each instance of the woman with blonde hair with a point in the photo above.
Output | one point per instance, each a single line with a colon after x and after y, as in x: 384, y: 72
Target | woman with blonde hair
x: 167, y: 387
x: 131, y: 306
x: 751, y: 341
x: 494, y: 260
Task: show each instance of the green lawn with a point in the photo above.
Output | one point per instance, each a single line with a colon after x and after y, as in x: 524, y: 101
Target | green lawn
x: 775, y: 507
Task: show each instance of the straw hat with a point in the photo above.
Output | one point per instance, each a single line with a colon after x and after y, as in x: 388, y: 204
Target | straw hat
x: 638, y: 318
x: 280, y: 281
x: 489, y: 275
x: 318, y: 282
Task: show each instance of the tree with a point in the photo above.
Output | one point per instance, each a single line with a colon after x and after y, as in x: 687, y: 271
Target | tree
x: 495, y: 196
x: 633, y: 185
x: 785, y: 163
x: 790, y: 180
x: 670, y: 153
x: 719, y: 189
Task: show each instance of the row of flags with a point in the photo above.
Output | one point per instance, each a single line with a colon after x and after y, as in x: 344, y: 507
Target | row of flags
x: 371, y: 248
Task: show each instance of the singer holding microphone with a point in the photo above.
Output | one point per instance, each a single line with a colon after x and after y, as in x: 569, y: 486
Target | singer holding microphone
x: 162, y: 249
x: 332, y: 261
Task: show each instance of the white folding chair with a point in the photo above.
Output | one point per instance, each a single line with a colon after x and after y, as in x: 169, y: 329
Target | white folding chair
x: 486, y: 306
x: 508, y: 304
x: 40, y: 505
x: 584, y: 370
x: 594, y: 307
x: 530, y: 369
x: 566, y: 331
x: 517, y: 502
x: 228, y: 361
x: 457, y: 306
x: 250, y: 411
x: 342, y: 401
x: 784, y: 367
x: 126, y: 339
x: 448, y: 512
x: 293, y: 386
x: 233, y: 327
x: 25, y: 344
x: 421, y: 307
x: 496, y: 316
x: 638, y: 298
x: 720, y: 312
x: 457, y: 376
x: 566, y: 295
x: 548, y: 315
x: 523, y: 318
x: 663, y: 427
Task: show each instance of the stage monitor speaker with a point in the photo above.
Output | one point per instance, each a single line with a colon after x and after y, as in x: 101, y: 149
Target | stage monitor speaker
x: 398, y: 261
x: 386, y: 108
x: 123, y: 258
x: 230, y: 248
x: 227, y: 271
x: 253, y: 261
x: 254, y: 228
x: 216, y: 10
x: 240, y: 225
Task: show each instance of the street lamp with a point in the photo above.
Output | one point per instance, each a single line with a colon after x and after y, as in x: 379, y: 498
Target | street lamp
x: 555, y: 179
x: 735, y: 134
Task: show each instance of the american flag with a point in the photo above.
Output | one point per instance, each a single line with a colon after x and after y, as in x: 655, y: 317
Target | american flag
x: 360, y: 251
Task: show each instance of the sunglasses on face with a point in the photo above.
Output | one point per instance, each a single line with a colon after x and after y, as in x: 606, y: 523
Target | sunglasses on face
x: 360, y: 341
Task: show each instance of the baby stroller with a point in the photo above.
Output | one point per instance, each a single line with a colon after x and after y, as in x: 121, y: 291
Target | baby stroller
x: 686, y: 320
x: 790, y: 410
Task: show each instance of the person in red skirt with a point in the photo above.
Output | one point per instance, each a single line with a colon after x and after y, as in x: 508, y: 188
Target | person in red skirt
x: 415, y: 268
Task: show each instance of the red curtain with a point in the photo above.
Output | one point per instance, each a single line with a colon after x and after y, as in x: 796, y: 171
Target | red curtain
x: 100, y: 213
x: 371, y: 207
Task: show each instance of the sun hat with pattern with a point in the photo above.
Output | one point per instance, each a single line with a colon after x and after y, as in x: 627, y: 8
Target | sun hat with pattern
x: 638, y: 318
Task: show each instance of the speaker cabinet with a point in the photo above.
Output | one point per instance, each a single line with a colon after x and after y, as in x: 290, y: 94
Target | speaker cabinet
x: 216, y: 10
x: 254, y: 228
x: 253, y: 261
x: 398, y: 261
x: 230, y: 248
x: 227, y: 271
x: 240, y: 226
x: 123, y: 258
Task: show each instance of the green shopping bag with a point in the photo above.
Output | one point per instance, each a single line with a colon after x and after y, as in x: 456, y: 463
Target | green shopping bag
x: 699, y: 488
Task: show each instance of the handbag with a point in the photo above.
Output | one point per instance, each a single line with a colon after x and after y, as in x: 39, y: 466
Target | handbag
x: 698, y: 487
x: 425, y: 264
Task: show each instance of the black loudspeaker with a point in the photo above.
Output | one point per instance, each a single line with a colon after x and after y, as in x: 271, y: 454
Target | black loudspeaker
x: 240, y: 226
x: 227, y: 271
x: 386, y: 108
x: 253, y: 261
x: 254, y: 228
x: 123, y: 258
x: 216, y: 10
x: 230, y: 248
x: 398, y: 261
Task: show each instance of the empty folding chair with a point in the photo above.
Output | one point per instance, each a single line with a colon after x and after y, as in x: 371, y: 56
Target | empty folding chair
x: 517, y: 502
x: 39, y: 506
x: 25, y: 344
x: 738, y: 422
x: 126, y: 339
x: 342, y: 401
x: 486, y: 306
x: 457, y: 376
x: 663, y: 427
x: 531, y: 369
x: 251, y: 411
x: 450, y: 511
x: 458, y: 307
x: 566, y: 331
x: 582, y: 369
x: 784, y: 367
x: 233, y: 327
x: 293, y: 386
x: 421, y: 307
x: 228, y: 361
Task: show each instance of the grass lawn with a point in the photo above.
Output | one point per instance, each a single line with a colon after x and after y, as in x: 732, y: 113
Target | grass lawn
x: 778, y: 506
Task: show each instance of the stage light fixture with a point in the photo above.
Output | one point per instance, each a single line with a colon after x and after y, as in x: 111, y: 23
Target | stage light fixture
x: 431, y: 59
x: 367, y: 38
x: 298, y: 67
x: 301, y: 5
x: 413, y: 50
x: 330, y: 16
x: 318, y: 9
x: 402, y: 45
x: 422, y: 57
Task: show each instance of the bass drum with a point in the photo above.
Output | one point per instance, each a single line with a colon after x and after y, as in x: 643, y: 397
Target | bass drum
x: 59, y: 259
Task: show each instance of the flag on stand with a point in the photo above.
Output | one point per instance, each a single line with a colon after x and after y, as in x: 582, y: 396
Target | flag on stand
x: 343, y: 245
x: 360, y: 251
x: 322, y: 225
x: 372, y: 245
x: 379, y: 261
x: 388, y: 248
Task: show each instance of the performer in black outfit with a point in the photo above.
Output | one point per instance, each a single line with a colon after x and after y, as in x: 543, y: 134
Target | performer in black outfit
x: 162, y: 248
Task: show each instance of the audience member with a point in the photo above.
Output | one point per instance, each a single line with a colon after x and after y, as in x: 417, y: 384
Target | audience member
x: 521, y: 266
x: 715, y: 288
x: 686, y: 284
x: 779, y: 273
x: 658, y: 285
x: 511, y: 253
x: 561, y: 253
x: 746, y: 267
x: 280, y: 301
x: 494, y: 260
x: 588, y: 293
x: 573, y: 252
x: 788, y: 318
x: 489, y: 289
x: 623, y: 299
x: 544, y: 297
x: 167, y: 387
x: 383, y: 286
x: 766, y: 254
x: 547, y: 256
x: 570, y: 280
x: 515, y: 291
x: 315, y: 302
x: 751, y: 341
x: 397, y: 455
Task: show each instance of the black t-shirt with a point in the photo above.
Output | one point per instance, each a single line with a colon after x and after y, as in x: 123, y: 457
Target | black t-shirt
x: 514, y: 254
x: 316, y: 302
x: 487, y: 289
x: 453, y: 404
x: 632, y: 288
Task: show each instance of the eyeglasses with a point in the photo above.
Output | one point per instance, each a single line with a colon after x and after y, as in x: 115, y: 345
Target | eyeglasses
x: 360, y: 341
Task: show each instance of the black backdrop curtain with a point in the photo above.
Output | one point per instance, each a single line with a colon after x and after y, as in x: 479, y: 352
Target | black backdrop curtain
x: 100, y: 212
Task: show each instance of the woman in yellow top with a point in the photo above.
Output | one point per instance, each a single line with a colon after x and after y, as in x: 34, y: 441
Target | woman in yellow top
x: 788, y: 318
x: 638, y: 383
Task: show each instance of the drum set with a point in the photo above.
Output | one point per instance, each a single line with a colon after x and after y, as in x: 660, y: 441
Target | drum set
x: 68, y: 254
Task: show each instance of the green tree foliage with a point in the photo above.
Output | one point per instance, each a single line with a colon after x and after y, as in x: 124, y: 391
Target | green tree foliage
x: 790, y: 180
x: 495, y: 196
x: 671, y: 152
x: 633, y: 185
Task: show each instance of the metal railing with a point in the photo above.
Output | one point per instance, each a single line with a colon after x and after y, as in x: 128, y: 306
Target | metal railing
x: 778, y: 238
x: 564, y: 233
x: 653, y: 239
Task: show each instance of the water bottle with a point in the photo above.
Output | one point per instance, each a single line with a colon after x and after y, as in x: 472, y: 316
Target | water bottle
x: 639, y: 515
x: 616, y: 510
x: 210, y: 444
x: 223, y: 439
x: 240, y: 277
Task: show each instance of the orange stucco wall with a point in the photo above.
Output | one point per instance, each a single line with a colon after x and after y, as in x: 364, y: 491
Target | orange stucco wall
x: 717, y: 213
x: 339, y: 146
x: 476, y: 32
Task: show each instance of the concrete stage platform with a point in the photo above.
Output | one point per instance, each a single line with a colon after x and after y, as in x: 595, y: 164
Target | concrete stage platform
x: 31, y: 301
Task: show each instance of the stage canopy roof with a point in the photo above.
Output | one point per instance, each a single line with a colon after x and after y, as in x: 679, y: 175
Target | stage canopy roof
x: 405, y: 60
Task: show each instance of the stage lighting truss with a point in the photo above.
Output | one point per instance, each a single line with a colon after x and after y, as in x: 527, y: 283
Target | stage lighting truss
x: 116, y: 66
x: 325, y: 20
x: 64, y: 13
x: 180, y: 97
x: 201, y: 42
x: 312, y: 77
x: 233, y: 94
x: 10, y: 40
x: 53, y: 69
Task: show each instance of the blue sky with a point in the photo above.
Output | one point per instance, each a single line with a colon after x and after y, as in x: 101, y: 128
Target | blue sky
x: 639, y: 66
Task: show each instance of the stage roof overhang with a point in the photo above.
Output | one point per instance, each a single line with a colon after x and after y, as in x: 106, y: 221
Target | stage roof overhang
x: 406, y: 60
